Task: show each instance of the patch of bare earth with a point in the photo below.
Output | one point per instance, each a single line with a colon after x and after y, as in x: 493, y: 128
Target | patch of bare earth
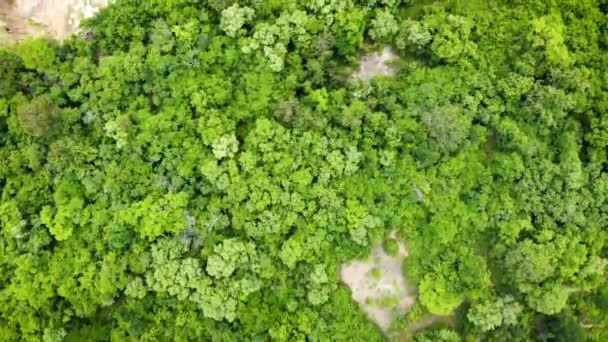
x: 378, y: 285
x: 13, y: 27
x: 424, y: 323
x: 377, y: 64
x: 57, y: 18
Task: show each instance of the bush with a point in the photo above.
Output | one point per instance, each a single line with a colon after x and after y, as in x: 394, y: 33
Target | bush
x: 39, y: 117
x: 391, y: 247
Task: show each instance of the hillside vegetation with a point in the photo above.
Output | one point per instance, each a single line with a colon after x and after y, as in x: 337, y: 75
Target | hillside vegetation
x: 199, y: 170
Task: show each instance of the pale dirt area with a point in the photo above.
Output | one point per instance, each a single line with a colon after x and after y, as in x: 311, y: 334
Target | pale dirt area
x: 383, y: 293
x: 377, y: 64
x: 425, y: 323
x: 57, y: 18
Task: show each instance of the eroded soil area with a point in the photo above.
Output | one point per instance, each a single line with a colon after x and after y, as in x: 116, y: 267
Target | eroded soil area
x: 378, y: 285
x: 377, y: 64
x: 58, y: 18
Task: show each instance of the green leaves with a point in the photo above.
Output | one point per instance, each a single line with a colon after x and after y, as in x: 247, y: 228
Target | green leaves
x: 136, y: 288
x: 391, y: 247
x: 413, y: 35
x: 12, y: 222
x: 361, y: 224
x: 548, y: 34
x: 67, y: 215
x: 38, y: 54
x: 348, y: 29
x: 291, y: 252
x: 10, y: 68
x: 229, y: 256
x: 448, y: 125
x: 155, y: 216
x: 383, y: 27
x: 225, y: 146
x: 170, y: 271
x: 438, y: 295
x: 452, y: 37
x: 234, y: 17
x: 199, y: 171
x: 531, y: 262
x: 39, y: 117
x: 492, y: 314
x: 550, y: 298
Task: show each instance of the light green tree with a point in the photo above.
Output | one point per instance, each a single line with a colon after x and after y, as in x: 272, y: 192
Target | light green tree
x: 234, y: 17
x: 384, y: 26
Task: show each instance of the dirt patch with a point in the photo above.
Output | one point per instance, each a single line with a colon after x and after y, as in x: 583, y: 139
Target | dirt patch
x: 377, y: 63
x: 378, y: 285
x: 12, y: 26
x: 58, y: 18
x: 425, y: 323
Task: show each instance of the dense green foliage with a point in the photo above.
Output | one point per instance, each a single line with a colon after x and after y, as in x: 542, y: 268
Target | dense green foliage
x: 198, y: 170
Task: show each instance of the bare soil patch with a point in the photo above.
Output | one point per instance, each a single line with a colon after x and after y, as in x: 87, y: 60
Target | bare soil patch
x: 57, y: 18
x: 377, y: 64
x: 378, y: 285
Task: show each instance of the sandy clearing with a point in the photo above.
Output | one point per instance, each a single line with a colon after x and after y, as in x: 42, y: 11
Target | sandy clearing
x: 378, y: 285
x: 377, y: 63
x: 58, y: 18
x: 424, y: 323
x: 13, y: 27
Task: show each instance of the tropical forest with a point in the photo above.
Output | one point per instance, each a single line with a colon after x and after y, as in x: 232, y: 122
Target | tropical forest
x: 308, y: 170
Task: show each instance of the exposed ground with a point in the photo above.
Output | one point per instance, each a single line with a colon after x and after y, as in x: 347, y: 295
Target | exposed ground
x: 57, y: 18
x: 381, y: 290
x: 377, y: 63
x: 378, y: 285
x: 12, y: 26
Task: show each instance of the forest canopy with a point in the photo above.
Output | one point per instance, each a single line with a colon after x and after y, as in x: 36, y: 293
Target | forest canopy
x: 199, y: 170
